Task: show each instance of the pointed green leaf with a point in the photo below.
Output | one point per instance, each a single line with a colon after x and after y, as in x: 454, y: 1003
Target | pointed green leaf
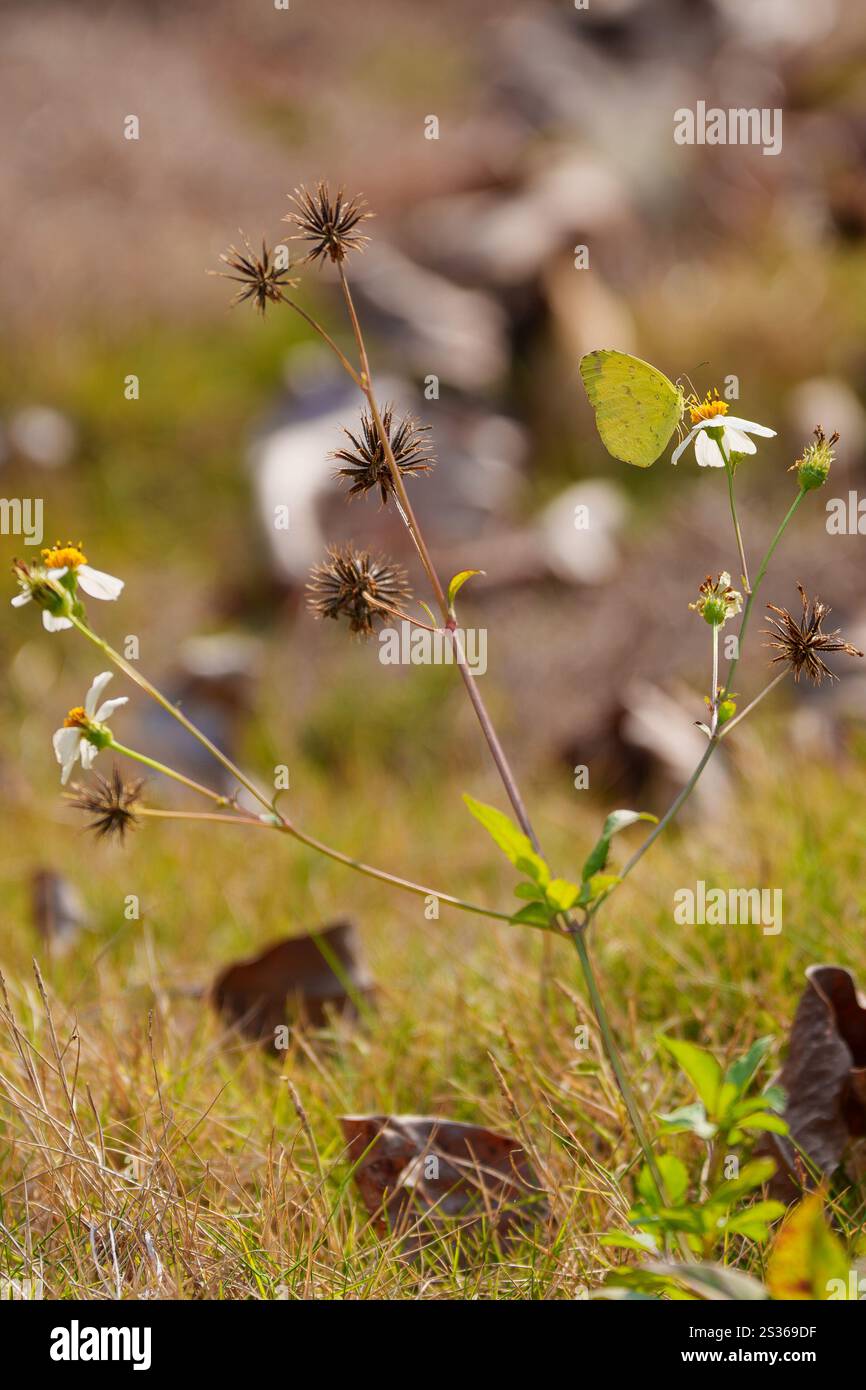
x: 714, y: 1282
x: 510, y: 839
x: 533, y: 915
x: 562, y: 895
x: 700, y: 1067
x: 740, y: 1073
x: 674, y: 1176
x: 616, y: 821
x: 764, y: 1124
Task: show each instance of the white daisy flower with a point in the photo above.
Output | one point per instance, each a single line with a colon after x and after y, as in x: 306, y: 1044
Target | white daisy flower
x: 84, y: 732
x: 60, y: 559
x: 711, y: 414
x: 38, y: 583
x: 49, y: 585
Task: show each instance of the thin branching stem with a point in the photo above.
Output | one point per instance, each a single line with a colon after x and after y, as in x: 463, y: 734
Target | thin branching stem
x: 134, y: 675
x: 279, y: 823
x: 729, y: 469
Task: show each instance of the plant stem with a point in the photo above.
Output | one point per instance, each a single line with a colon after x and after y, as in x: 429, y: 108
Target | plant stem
x: 567, y: 923
x: 614, y: 1057
x: 168, y: 772
x: 286, y: 828
x: 326, y: 337
x: 751, y: 597
x: 672, y: 810
x: 726, y: 728
x: 730, y: 472
x: 129, y: 670
x: 714, y: 741
x: 714, y: 688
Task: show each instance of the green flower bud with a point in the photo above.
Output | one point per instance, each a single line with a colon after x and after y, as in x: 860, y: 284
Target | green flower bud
x: 813, y: 465
x: 717, y: 601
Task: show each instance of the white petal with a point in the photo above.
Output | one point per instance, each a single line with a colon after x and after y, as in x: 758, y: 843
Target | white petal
x: 88, y: 753
x: 107, y: 710
x: 736, y: 442
x: 57, y: 574
x: 97, y: 584
x: 20, y: 599
x: 52, y: 624
x: 67, y: 746
x: 92, y: 698
x: 707, y: 452
x: 682, y: 446
x: 734, y: 422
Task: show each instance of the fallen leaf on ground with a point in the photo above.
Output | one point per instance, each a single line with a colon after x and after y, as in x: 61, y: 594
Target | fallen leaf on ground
x: 416, y: 1174
x: 824, y: 1079
x: 297, y: 979
x: 57, y: 910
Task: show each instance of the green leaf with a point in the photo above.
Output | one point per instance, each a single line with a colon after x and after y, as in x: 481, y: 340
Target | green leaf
x: 531, y: 891
x: 713, y: 1282
x: 562, y: 895
x: 755, y: 1221
x: 689, y: 1119
x: 430, y: 614
x: 807, y: 1258
x: 741, y: 1073
x: 595, y: 888
x: 616, y: 821
x: 764, y: 1123
x: 457, y: 584
x: 533, y: 915
x: 700, y: 1067
x: 753, y: 1175
x: 510, y: 839
x: 674, y: 1176
x: 627, y: 1240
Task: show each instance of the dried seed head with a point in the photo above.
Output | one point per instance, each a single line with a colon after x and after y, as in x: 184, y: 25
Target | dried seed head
x: 352, y: 584
x: 110, y: 801
x: 329, y: 224
x: 262, y: 278
x: 800, y: 644
x: 366, y: 464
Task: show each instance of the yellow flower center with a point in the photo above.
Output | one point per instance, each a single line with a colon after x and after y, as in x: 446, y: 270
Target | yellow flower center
x: 76, y: 718
x: 67, y: 556
x: 708, y: 408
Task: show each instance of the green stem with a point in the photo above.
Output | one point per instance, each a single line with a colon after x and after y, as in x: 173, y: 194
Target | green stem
x: 714, y: 688
x: 751, y: 598
x: 714, y: 741
x: 730, y: 472
x: 168, y: 772
x: 726, y: 728
x: 286, y: 828
x: 129, y: 670
x: 678, y: 802
x: 614, y: 1057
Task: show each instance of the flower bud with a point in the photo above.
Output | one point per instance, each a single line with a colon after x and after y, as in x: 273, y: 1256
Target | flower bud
x: 813, y: 465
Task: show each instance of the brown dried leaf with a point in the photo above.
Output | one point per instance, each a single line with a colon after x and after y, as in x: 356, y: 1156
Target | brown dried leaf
x: 298, y: 978
x: 824, y: 1078
x: 418, y: 1173
x: 57, y: 910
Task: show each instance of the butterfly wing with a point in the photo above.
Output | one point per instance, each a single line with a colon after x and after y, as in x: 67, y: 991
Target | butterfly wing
x: 636, y: 407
